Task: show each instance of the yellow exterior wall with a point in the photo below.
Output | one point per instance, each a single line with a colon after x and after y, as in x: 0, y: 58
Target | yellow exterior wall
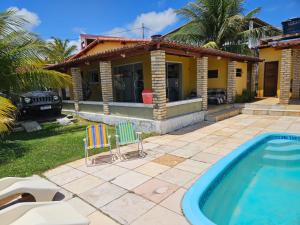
x: 107, y: 45
x: 220, y: 65
x: 241, y: 82
x: 269, y: 55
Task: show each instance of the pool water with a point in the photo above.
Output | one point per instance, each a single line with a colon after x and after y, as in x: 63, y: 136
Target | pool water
x: 262, y: 188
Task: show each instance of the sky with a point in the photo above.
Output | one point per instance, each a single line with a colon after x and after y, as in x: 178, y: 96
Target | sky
x: 66, y: 19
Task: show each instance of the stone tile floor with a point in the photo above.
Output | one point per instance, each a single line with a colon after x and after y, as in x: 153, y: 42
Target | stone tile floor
x: 149, y: 191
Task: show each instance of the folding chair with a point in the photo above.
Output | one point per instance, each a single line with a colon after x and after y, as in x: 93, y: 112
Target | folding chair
x: 97, y: 136
x: 126, y: 134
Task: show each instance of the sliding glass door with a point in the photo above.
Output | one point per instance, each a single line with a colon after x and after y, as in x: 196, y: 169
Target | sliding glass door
x: 173, y: 81
x: 128, y: 83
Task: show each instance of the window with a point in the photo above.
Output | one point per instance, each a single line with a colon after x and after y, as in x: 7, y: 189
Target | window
x: 93, y: 76
x: 239, y: 72
x: 128, y: 83
x: 213, y: 73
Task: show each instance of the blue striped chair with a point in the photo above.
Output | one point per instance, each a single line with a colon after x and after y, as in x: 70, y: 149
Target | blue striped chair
x: 97, y: 137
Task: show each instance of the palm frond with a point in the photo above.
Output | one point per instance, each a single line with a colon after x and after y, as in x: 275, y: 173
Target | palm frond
x: 37, y: 78
x: 6, y: 114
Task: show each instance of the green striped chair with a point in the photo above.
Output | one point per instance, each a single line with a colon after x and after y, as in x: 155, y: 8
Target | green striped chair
x: 126, y: 134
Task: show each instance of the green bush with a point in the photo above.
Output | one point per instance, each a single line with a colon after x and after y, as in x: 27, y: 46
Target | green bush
x: 246, y: 96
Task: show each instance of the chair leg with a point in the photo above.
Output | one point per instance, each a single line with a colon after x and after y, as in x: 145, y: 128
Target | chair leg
x: 122, y: 156
x: 141, y: 151
x: 87, y: 157
x: 113, y: 156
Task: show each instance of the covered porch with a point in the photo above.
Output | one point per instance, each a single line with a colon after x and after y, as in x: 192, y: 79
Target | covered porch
x: 108, y: 86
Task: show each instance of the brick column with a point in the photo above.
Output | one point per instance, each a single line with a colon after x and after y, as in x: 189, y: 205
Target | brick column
x: 77, y: 86
x: 254, y: 77
x: 158, y: 72
x: 231, y: 81
x: 106, y: 85
x: 285, y: 76
x: 296, y: 74
x: 202, y: 73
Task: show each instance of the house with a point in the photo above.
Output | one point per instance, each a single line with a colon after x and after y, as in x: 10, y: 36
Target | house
x: 179, y: 76
x: 279, y: 73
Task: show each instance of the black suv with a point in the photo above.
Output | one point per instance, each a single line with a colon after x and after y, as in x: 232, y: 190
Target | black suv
x: 39, y: 101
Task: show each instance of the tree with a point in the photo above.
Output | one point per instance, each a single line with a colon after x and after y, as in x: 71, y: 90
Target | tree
x: 58, y: 50
x: 21, y: 63
x: 219, y: 24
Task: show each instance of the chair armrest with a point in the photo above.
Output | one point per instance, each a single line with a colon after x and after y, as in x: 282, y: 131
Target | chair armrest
x: 139, y: 134
x: 84, y: 142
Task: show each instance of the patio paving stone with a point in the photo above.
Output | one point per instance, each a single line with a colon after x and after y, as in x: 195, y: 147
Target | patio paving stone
x: 83, y: 184
x: 77, y: 163
x: 169, y: 160
x: 110, y: 172
x: 103, y: 194
x: 206, y: 157
x: 178, y: 144
x: 193, y: 166
x: 150, y: 145
x: 156, y: 190
x: 176, y: 176
x: 130, y: 180
x: 160, y: 216
x: 132, y: 163
x: 93, y: 168
x: 226, y: 132
x: 67, y: 176
x: 188, y: 151
x: 82, y: 207
x: 127, y: 208
x: 98, y: 218
x: 57, y: 170
x: 173, y: 202
x: 165, y: 148
x: 152, y: 169
x: 188, y: 184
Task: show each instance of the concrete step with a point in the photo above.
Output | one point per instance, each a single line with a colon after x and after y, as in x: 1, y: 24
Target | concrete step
x: 271, y: 112
x: 283, y: 150
x: 280, y: 143
x: 279, y: 160
x: 222, y: 114
x: 264, y: 106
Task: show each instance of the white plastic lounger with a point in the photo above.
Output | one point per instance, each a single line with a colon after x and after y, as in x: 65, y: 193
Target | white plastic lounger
x: 39, y: 188
x: 42, y: 213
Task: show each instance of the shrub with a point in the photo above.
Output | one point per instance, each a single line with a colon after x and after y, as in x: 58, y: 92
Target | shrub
x: 246, y: 96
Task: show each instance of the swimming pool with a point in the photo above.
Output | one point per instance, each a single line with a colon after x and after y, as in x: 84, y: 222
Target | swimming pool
x: 258, y: 183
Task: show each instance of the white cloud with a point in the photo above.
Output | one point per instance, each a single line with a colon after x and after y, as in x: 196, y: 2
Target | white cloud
x: 76, y: 43
x: 154, y: 22
x: 31, y: 17
x: 80, y: 30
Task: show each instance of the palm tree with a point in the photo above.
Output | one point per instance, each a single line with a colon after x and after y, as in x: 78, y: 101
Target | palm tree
x: 21, y: 63
x: 219, y: 24
x: 58, y: 50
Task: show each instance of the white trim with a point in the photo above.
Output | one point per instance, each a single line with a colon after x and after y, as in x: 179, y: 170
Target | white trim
x: 183, y: 102
x: 90, y: 103
x: 68, y: 101
x: 131, y: 104
x: 128, y: 64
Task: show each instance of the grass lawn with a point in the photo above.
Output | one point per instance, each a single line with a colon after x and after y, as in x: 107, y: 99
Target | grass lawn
x: 25, y: 154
